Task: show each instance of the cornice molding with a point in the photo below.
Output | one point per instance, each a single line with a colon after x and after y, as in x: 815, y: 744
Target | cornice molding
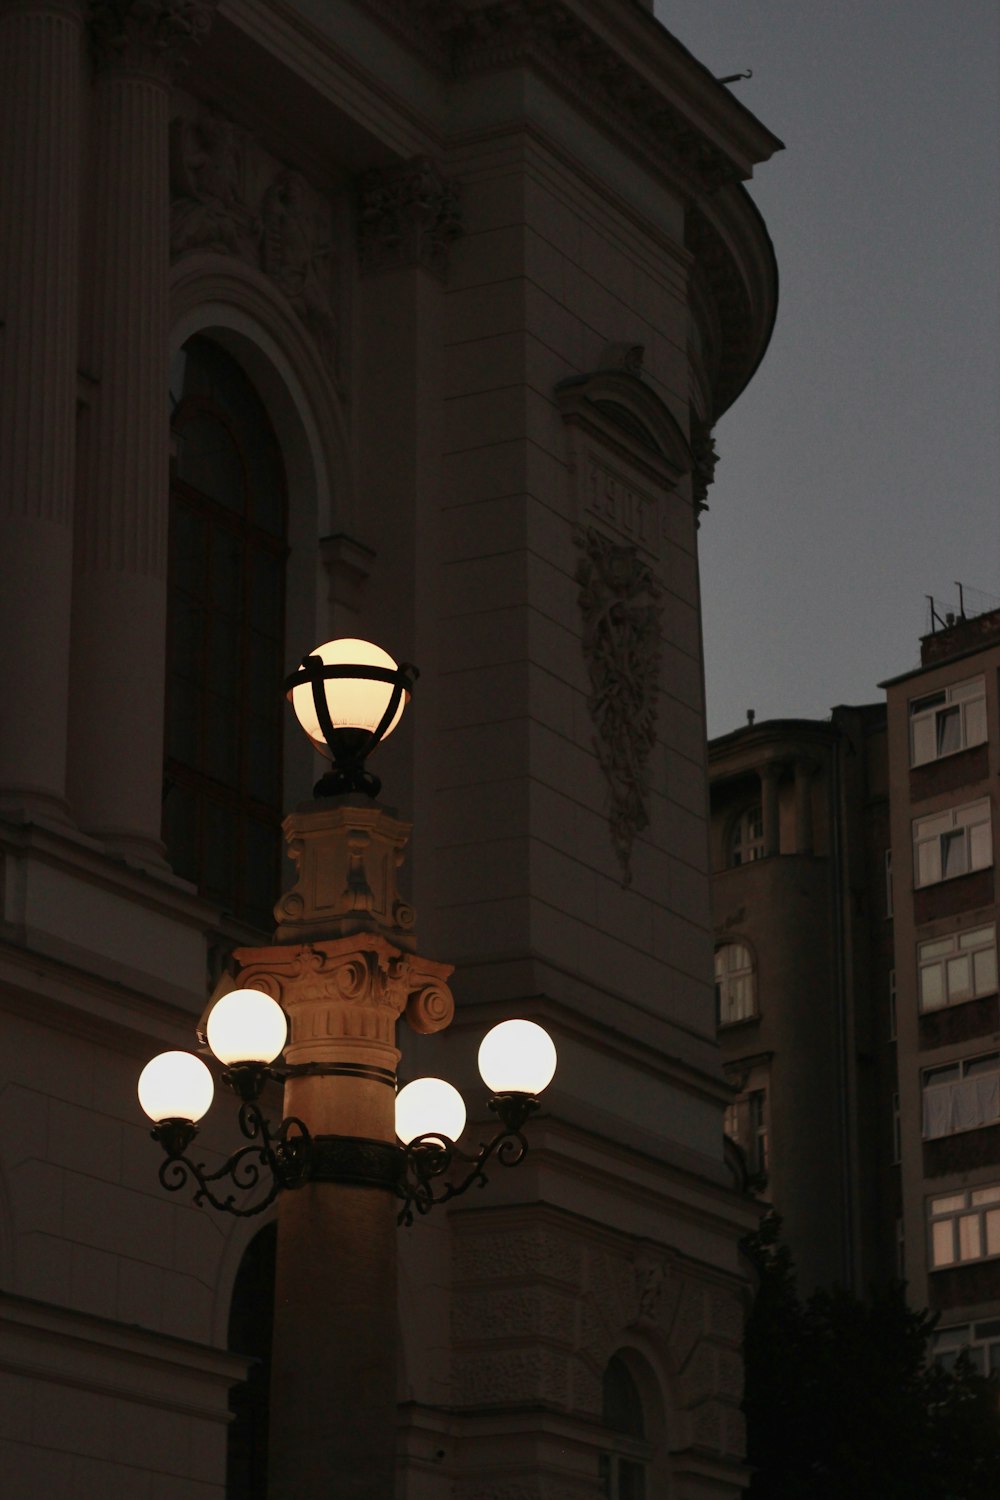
x: 464, y: 38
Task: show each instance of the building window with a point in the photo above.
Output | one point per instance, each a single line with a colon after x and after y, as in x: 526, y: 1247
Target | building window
x: 960, y: 967
x: 735, y: 984
x: 745, y: 1123
x: 981, y: 1341
x: 952, y: 843
x: 964, y: 1095
x: 225, y: 636
x: 964, y: 1226
x: 892, y: 1005
x: 747, y: 840
x: 624, y: 1468
x: 948, y: 721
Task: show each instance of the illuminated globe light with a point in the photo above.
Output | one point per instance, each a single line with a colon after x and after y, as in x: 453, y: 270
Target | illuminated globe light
x: 175, y: 1086
x: 246, y: 1026
x: 357, y: 703
x: 517, y: 1057
x: 429, y: 1106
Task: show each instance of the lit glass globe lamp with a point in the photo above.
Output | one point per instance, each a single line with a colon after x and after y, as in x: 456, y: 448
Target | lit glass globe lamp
x: 348, y: 696
x: 246, y: 1031
x: 517, y: 1061
x: 175, y: 1090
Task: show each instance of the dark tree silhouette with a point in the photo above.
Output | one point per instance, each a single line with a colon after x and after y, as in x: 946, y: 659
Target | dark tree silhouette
x: 843, y: 1401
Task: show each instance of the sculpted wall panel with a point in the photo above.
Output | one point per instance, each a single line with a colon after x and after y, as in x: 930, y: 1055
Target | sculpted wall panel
x: 231, y: 196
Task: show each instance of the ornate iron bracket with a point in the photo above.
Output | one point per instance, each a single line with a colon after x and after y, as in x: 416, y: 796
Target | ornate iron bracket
x: 429, y: 1157
x: 415, y: 1173
x: 283, y: 1154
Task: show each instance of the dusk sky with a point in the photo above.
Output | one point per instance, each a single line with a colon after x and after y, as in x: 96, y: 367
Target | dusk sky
x: 860, y: 471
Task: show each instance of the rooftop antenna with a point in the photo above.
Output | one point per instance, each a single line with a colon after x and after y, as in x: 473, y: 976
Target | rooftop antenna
x: 961, y: 600
x: 735, y: 77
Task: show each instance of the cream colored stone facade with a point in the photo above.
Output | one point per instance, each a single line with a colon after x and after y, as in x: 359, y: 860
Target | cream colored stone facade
x: 492, y: 272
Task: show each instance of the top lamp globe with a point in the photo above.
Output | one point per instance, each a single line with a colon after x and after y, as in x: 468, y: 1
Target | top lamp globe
x: 246, y: 1026
x: 349, y: 695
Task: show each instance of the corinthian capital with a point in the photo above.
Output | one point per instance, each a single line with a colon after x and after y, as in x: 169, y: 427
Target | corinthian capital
x: 150, y: 36
x: 408, y: 216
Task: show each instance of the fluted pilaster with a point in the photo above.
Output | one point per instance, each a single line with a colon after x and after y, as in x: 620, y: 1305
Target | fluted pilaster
x: 41, y: 54
x: 120, y: 593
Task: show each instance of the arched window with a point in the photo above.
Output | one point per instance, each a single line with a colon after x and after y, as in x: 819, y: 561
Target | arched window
x: 225, y: 635
x: 251, y: 1317
x: 735, y: 984
x: 624, y: 1468
x: 747, y: 839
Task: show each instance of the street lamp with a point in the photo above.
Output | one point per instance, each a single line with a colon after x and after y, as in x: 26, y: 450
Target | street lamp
x: 246, y: 1031
x: 348, y: 696
x: 351, y: 1157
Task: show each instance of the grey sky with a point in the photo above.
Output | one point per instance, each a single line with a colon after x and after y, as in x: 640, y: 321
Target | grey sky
x: 860, y: 471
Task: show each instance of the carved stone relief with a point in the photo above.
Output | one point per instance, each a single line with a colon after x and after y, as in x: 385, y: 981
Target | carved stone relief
x: 622, y: 618
x: 148, y: 35
x: 408, y: 216
x: 539, y: 1310
x: 230, y: 196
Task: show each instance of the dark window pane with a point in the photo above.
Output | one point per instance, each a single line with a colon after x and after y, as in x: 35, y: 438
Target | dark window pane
x: 180, y: 828
x: 225, y: 634
x: 260, y: 871
x: 209, y: 461
x: 184, y: 721
x: 622, y: 1405
x: 219, y: 853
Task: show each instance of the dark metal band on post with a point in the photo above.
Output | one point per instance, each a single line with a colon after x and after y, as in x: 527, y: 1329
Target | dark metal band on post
x: 337, y: 1070
x: 357, y: 1161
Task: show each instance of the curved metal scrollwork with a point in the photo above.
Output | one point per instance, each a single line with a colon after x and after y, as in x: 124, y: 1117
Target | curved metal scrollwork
x: 280, y: 1158
x: 429, y: 1158
x: 289, y: 1157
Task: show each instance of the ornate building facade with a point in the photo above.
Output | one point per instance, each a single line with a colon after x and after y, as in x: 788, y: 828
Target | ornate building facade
x: 408, y: 321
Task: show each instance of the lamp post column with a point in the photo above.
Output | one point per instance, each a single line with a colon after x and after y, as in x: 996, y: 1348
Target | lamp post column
x: 344, y: 970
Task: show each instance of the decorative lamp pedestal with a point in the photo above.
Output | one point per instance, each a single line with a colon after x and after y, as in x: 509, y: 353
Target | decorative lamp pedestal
x: 344, y: 970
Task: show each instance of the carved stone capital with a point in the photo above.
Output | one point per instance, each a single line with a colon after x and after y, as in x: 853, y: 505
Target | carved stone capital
x: 705, y: 456
x: 408, y: 216
x: 620, y: 603
x: 347, y: 990
x: 343, y: 998
x: 147, y: 36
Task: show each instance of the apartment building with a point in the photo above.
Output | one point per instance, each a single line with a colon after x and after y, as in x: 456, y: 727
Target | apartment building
x: 944, y: 759
x: 855, y: 912
x: 803, y: 954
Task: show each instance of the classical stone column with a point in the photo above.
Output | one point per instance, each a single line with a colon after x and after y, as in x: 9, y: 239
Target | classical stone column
x: 804, y: 771
x: 769, y: 809
x: 344, y: 970
x: 41, y: 61
x: 119, y: 598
